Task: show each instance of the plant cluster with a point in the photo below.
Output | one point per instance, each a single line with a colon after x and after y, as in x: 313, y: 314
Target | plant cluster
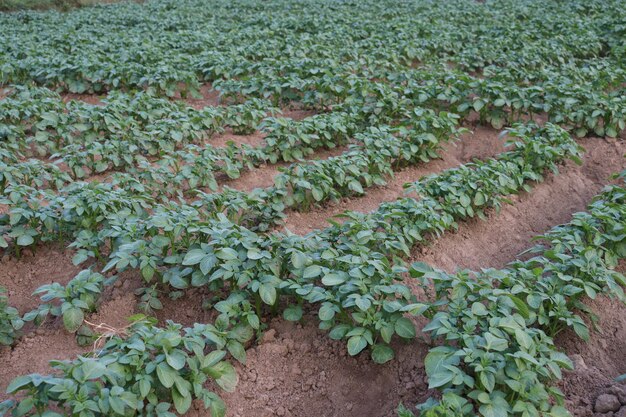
x: 10, y: 320
x: 141, y: 370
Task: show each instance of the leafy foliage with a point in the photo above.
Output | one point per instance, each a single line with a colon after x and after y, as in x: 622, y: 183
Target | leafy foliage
x: 71, y: 302
x: 153, y: 372
x: 497, y: 356
x: 10, y: 320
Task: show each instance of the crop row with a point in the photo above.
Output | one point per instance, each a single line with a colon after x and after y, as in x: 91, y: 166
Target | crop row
x: 586, y: 110
x: 305, y: 41
x: 494, y: 328
x: 360, y: 291
x: 346, y: 269
x: 178, y: 246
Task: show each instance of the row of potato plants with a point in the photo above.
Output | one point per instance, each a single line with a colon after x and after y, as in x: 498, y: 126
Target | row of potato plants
x: 494, y: 329
x: 141, y: 369
x: 305, y: 42
x: 360, y: 290
x: 498, y: 102
x: 179, y: 246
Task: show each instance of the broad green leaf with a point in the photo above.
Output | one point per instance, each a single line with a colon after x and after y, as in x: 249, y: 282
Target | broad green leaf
x: 73, y: 318
x: 405, y: 328
x: 382, y: 353
x: 356, y: 344
x: 293, y: 313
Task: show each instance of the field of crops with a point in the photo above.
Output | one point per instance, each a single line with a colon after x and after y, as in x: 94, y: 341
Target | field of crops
x: 311, y: 208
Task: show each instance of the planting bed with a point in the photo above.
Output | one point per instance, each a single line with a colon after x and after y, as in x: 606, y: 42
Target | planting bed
x: 313, y: 208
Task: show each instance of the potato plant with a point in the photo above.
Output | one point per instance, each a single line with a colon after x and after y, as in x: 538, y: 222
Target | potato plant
x: 10, y: 320
x: 70, y: 302
x: 147, y: 370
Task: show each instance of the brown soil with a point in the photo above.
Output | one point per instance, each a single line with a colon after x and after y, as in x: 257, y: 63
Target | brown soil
x: 21, y: 277
x: 92, y: 99
x: 33, y: 352
x: 210, y: 97
x: 597, y: 362
x: 221, y: 140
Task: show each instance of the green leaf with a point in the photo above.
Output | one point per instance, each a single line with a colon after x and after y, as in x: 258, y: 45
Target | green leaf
x: 144, y: 387
x: 524, y: 340
x: 194, y: 257
x: 227, y: 254
x: 18, y: 383
x: 298, y: 259
x: 293, y: 313
x: 338, y: 332
x: 382, y: 353
x: 181, y: 402
x: 356, y: 344
x: 333, y: 279
x: 405, y: 328
x: 25, y: 240
x: 237, y: 350
x: 166, y: 374
x: 92, y: 369
x: 218, y: 407
x: 317, y: 193
x: 479, y: 309
x: 176, y: 359
x: 224, y: 375
x: 326, y: 312
x: 312, y: 271
x: 521, y: 306
x: 495, y: 343
x: 267, y: 293
x: 73, y: 318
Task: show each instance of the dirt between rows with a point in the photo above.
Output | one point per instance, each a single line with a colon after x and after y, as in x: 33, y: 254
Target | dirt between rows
x: 296, y: 370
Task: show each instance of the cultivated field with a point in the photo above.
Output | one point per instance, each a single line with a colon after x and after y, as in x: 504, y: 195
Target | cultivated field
x: 314, y: 208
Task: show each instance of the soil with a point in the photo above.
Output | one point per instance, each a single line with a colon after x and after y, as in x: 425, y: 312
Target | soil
x: 22, y: 277
x: 296, y: 370
x: 87, y: 98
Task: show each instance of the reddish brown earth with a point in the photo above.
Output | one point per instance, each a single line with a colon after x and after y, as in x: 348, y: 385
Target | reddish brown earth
x: 296, y: 370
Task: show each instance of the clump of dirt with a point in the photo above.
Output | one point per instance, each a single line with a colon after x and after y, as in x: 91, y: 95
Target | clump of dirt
x: 33, y: 352
x: 597, y: 362
x: 297, y: 114
x: 255, y: 139
x: 210, y: 98
x: 93, y: 99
